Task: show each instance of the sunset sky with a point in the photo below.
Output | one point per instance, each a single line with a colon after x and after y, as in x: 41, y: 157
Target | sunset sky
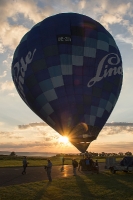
x: 20, y: 128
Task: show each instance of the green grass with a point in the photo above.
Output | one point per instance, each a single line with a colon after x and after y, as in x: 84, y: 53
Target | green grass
x: 104, y: 186
x: 32, y: 162
x: 36, y: 161
x: 16, y: 161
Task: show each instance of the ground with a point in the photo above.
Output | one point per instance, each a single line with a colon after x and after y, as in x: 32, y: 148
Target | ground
x: 13, y: 175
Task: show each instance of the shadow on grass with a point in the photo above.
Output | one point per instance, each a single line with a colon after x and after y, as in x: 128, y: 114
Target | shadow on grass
x: 106, y: 185
x: 84, y: 188
x: 41, y: 193
x: 120, y: 183
x: 121, y: 179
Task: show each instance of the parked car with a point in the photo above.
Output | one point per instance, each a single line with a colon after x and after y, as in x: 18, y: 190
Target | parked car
x: 126, y: 164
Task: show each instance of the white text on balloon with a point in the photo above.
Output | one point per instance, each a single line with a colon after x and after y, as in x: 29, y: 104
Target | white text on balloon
x: 116, y: 70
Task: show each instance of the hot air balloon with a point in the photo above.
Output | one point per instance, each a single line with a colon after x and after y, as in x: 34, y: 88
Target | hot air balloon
x: 68, y: 70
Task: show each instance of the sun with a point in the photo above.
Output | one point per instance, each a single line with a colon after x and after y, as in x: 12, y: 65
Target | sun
x: 64, y: 139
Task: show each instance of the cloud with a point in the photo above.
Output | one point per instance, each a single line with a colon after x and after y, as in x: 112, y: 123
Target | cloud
x: 19, y: 16
x: 49, y: 134
x: 107, y: 19
x: 1, y: 48
x: 109, y: 14
x: 115, y: 130
x: 82, y: 4
x: 7, y: 62
x: 119, y: 124
x: 6, y: 86
x: 8, y: 135
x: 110, y: 147
x: 4, y: 74
x: 44, y: 124
x: 11, y: 29
x: 130, y: 29
x: 124, y: 39
x: 24, y: 145
x: 50, y: 141
x: 26, y: 126
x: 13, y: 94
x: 11, y: 35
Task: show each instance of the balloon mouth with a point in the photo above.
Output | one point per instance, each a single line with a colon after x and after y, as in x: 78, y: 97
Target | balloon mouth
x: 82, y: 135
x: 83, y: 140
x: 82, y: 132
x: 83, y: 144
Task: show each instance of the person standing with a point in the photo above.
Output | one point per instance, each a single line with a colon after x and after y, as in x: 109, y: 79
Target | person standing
x: 25, y: 163
x: 97, y: 167
x: 48, y: 170
x: 63, y: 160
x: 87, y: 162
x: 80, y: 165
x: 75, y: 165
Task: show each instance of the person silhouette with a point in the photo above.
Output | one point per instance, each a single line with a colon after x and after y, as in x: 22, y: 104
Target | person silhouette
x: 25, y: 163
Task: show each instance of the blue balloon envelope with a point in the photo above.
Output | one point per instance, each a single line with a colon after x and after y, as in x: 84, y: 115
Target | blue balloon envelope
x: 68, y: 70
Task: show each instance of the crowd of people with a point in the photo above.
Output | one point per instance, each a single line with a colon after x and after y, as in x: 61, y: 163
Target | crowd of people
x: 85, y: 164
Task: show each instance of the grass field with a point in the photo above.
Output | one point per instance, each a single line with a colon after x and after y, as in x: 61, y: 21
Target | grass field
x: 36, y: 161
x: 13, y: 161
x: 104, y: 186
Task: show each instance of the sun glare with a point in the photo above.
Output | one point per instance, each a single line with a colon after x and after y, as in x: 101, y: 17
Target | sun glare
x: 64, y: 139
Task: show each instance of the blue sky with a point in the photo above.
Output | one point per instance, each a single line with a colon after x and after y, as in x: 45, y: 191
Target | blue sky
x: 20, y: 128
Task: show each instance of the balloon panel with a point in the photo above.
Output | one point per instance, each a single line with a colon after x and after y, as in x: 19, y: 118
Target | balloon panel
x: 68, y: 70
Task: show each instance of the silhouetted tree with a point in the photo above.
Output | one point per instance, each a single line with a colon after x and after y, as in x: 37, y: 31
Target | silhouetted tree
x: 120, y: 154
x: 128, y: 153
x: 12, y: 153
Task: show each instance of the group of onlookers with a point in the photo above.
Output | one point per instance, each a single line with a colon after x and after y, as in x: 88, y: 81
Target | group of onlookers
x: 86, y: 164
x: 48, y: 168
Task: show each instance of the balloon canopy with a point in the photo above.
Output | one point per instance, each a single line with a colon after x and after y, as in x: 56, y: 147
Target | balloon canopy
x: 68, y: 70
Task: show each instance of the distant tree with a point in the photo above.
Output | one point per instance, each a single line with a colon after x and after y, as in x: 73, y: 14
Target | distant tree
x: 128, y: 153
x: 120, y: 154
x: 103, y: 154
x: 12, y: 153
x: 94, y: 154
